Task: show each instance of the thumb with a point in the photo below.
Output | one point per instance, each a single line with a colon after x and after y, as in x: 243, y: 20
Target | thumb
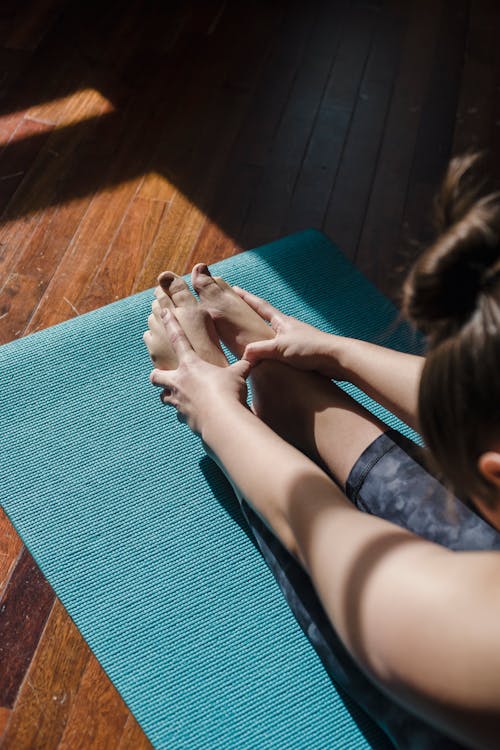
x: 242, y: 367
x: 267, y: 349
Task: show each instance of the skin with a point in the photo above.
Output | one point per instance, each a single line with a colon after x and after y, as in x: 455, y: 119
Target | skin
x: 386, y: 580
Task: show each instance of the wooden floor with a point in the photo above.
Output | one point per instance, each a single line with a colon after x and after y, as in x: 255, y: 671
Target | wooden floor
x: 138, y: 135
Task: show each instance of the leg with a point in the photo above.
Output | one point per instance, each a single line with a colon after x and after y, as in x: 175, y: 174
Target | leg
x: 306, y: 409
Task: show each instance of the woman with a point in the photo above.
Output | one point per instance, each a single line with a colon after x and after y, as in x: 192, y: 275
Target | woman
x: 404, y: 612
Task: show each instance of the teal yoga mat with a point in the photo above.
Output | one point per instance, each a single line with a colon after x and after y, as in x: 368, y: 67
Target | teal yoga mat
x: 140, y: 535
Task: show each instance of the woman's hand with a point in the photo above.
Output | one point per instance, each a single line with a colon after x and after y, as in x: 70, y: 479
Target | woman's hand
x: 198, y: 389
x: 296, y: 343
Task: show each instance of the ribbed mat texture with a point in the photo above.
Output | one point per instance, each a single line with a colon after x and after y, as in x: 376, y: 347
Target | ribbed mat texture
x: 140, y: 535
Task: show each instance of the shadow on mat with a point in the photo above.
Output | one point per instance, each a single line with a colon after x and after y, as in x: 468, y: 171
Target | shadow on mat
x: 224, y: 494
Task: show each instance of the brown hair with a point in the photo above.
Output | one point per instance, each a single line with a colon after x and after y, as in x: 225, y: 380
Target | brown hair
x: 453, y: 295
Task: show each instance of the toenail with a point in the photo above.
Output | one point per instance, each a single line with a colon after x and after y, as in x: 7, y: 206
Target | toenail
x: 165, y: 281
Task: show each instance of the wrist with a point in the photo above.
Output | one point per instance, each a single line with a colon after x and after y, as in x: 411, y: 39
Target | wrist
x: 332, y: 356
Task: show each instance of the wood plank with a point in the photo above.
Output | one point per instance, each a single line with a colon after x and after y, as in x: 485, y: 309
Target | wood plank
x: 50, y: 687
x: 268, y: 210
x: 315, y: 182
x: 98, y: 227
x: 288, y: 34
x: 35, y: 257
x: 5, y: 714
x: 435, y: 135
x: 378, y: 254
x: 17, y: 299
x: 98, y: 715
x: 12, y: 65
x: 80, y: 172
x: 24, y: 609
x: 164, y: 37
x: 8, y: 125
x: 477, y: 101
x: 174, y: 241
x: 116, y: 276
x: 133, y: 738
x: 140, y: 125
x: 36, y: 262
x: 194, y: 158
x: 156, y: 187
x: 352, y: 187
x: 222, y: 235
x: 10, y: 550
x: 8, y: 13
x: 32, y: 24
x: 18, y: 156
x: 40, y: 186
x: 239, y: 181
x: 205, y: 19
x: 52, y: 71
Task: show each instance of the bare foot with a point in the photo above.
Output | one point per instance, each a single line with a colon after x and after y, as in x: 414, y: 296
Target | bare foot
x: 173, y: 293
x: 277, y: 389
x: 236, y: 323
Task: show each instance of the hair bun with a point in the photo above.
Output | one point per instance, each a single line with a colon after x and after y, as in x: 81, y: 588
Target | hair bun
x: 441, y: 292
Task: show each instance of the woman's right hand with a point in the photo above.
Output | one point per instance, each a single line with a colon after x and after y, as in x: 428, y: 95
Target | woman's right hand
x: 296, y: 343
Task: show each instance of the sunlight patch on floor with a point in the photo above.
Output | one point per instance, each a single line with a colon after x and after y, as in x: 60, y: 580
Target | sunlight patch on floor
x: 68, y: 110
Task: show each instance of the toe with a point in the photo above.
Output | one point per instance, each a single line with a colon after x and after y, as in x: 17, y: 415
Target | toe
x: 223, y: 285
x: 177, y: 289
x: 203, y: 282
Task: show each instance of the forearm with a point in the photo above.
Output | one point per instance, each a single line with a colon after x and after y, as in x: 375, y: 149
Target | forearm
x: 389, y: 377
x: 264, y: 468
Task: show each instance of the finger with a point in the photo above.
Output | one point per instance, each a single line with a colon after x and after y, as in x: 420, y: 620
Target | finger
x: 161, y: 303
x: 158, y: 292
x: 163, y: 379
x: 177, y: 337
x: 267, y: 349
x: 155, y: 325
x: 148, y: 341
x: 166, y: 397
x: 242, y: 368
x: 261, y: 306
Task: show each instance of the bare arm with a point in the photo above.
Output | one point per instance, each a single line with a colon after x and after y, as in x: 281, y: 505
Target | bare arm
x: 391, y: 378
x: 421, y: 620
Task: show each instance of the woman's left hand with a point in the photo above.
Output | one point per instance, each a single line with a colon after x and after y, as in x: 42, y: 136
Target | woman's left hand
x: 198, y: 389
